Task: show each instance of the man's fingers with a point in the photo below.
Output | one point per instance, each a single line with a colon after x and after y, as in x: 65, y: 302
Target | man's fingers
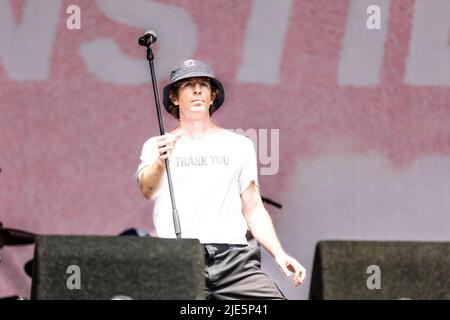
x: 288, y: 264
x: 166, y: 143
x: 165, y: 156
x: 301, y: 277
x: 297, y: 275
x: 165, y: 152
x: 168, y: 139
x: 162, y: 150
x: 300, y: 273
x: 295, y: 268
x: 285, y: 270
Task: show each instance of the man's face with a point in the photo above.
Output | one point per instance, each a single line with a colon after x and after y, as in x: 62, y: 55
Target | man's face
x: 194, y: 97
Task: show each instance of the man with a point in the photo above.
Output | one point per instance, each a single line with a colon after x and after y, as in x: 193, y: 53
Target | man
x: 214, y: 173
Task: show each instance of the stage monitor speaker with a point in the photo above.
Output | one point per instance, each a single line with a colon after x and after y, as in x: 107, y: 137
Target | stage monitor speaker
x: 388, y: 270
x: 108, y: 267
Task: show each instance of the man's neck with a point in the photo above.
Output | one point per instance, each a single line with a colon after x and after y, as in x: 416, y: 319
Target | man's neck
x: 197, y: 128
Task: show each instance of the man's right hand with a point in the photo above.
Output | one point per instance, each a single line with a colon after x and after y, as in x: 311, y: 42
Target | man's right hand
x: 166, y: 144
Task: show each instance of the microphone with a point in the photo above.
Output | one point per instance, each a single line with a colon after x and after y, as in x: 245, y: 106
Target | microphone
x: 148, y: 38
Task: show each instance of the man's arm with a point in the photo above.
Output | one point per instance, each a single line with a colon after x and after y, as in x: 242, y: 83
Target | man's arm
x: 261, y: 226
x: 150, y: 177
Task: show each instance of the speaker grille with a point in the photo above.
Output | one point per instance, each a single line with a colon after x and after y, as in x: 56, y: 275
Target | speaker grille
x: 407, y: 270
x: 117, y: 267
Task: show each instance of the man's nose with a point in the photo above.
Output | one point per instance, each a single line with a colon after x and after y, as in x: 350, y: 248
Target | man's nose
x: 197, y: 88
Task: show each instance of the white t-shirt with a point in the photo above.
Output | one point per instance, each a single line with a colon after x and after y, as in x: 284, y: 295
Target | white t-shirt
x: 208, y: 176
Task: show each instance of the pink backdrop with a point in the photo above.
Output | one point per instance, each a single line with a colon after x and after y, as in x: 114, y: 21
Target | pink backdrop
x: 363, y: 116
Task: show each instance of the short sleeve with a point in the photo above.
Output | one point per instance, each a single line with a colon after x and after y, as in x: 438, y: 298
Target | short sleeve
x: 249, y: 170
x: 149, y: 155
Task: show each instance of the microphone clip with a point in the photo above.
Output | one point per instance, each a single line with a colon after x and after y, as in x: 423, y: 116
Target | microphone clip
x: 148, y: 38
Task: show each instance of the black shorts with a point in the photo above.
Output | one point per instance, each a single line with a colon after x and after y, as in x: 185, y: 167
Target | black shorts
x: 234, y: 272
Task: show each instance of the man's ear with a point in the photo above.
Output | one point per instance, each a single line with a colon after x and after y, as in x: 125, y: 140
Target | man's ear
x: 174, y: 100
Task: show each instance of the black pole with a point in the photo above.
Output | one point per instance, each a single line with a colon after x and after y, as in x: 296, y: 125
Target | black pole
x: 268, y: 201
x: 176, y: 220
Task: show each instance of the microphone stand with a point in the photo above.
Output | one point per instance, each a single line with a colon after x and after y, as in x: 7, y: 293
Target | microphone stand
x: 268, y: 201
x: 176, y: 220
